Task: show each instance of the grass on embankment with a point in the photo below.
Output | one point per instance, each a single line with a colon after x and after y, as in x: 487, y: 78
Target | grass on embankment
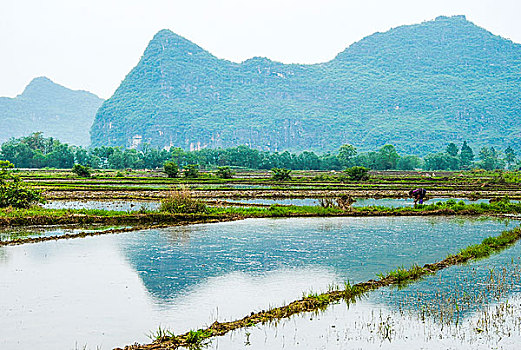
x: 41, y: 216
x: 312, y: 302
x: 439, y: 208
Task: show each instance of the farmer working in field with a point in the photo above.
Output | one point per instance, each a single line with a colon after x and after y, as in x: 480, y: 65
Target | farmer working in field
x: 418, y: 195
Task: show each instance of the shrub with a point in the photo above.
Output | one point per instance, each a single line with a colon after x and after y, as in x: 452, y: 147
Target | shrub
x: 171, y: 169
x: 191, y: 171
x: 357, y: 173
x: 81, y: 170
x: 281, y: 174
x: 14, y: 192
x: 224, y: 172
x: 181, y: 201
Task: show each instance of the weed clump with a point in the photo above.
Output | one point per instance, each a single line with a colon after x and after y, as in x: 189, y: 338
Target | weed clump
x: 357, y: 173
x: 281, y: 174
x: 224, y: 172
x: 81, y: 170
x: 196, y: 338
x: 171, y: 169
x: 181, y: 201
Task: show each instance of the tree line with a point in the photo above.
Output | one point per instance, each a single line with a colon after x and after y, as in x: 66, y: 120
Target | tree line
x: 36, y: 151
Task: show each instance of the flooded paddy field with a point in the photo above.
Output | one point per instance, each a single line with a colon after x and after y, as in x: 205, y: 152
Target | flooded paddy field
x: 135, y: 192
x: 107, y: 291
x: 472, y: 306
x: 259, y: 185
x: 136, y: 205
x: 359, y: 202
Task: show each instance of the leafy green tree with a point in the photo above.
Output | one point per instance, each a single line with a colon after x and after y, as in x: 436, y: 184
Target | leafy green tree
x: 452, y: 149
x: 466, y: 156
x: 81, y: 170
x: 346, y: 155
x: 409, y: 163
x: 307, y: 161
x: 60, y: 157
x: 18, y: 153
x: 368, y: 159
x: 387, y: 158
x: 489, y: 159
x: 510, y: 156
x: 171, y: 169
x: 441, y: 161
x: 281, y: 174
x: 13, y: 191
x: 191, y: 171
x: 329, y: 161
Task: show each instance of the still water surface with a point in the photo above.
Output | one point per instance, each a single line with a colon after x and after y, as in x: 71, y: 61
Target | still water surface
x: 473, y: 306
x: 134, y: 205
x: 112, y: 290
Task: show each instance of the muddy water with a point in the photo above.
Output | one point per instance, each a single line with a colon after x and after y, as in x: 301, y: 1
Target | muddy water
x: 111, y: 290
x: 473, y: 306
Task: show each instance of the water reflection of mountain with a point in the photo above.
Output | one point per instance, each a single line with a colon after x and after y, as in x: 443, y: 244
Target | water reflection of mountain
x: 457, y: 292
x: 170, y: 261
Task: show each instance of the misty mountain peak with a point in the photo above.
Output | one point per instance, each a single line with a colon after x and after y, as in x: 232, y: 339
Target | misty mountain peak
x: 169, y: 44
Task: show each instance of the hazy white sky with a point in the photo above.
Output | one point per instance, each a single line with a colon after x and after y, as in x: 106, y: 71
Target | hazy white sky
x: 93, y: 44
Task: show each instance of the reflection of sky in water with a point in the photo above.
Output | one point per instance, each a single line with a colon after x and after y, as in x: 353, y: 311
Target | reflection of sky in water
x: 356, y: 249
x: 112, y: 290
x: 421, y: 315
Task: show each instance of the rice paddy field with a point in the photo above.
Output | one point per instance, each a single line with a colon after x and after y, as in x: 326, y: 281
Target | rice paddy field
x: 264, y: 264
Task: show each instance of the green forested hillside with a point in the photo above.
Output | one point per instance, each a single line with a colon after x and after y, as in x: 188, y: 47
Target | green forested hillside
x: 417, y: 87
x: 51, y: 108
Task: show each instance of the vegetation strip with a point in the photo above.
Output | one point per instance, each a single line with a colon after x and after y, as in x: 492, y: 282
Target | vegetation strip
x: 313, y: 302
x: 201, y: 213
x: 40, y: 217
x: 84, y: 234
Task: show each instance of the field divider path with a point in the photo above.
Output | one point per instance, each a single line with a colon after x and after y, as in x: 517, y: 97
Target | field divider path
x: 195, y: 339
x: 83, y: 234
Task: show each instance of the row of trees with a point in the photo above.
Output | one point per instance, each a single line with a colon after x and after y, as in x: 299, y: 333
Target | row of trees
x: 36, y: 151
x: 454, y: 158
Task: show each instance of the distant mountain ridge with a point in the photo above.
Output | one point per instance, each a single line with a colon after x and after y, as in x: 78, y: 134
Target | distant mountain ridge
x: 416, y: 86
x: 51, y: 108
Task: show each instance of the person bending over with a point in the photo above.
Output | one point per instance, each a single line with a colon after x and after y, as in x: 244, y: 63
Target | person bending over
x: 418, y: 195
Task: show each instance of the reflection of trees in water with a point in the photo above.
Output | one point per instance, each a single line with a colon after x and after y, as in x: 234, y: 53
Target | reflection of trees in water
x: 180, y: 235
x: 454, y: 294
